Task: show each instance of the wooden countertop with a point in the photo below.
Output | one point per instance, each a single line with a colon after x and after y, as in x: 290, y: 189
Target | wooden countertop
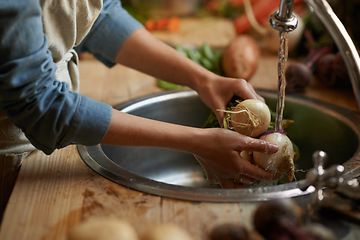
x: 54, y: 193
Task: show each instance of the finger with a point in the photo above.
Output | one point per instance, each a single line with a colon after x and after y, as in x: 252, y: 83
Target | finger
x: 246, y: 90
x: 257, y: 145
x: 243, y: 179
x: 256, y: 172
x: 230, y: 183
x: 209, y: 176
x: 220, y: 117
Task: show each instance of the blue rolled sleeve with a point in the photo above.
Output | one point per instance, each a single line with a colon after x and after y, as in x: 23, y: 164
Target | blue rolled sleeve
x: 111, y: 29
x: 48, y: 113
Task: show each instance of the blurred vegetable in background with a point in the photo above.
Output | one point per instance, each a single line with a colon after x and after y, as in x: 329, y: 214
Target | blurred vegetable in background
x: 171, y: 24
x: 203, y: 55
x: 241, y: 57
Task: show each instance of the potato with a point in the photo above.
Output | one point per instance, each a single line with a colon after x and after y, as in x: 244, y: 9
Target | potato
x: 103, y: 229
x: 166, y: 231
x: 240, y: 57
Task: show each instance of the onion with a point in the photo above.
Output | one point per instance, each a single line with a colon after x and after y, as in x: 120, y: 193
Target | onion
x: 167, y: 231
x: 250, y: 117
x: 103, y: 228
x: 281, y: 162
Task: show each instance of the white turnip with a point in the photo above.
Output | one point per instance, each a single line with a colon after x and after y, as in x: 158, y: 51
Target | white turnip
x: 250, y: 117
x: 167, y: 231
x: 108, y: 228
x: 281, y: 162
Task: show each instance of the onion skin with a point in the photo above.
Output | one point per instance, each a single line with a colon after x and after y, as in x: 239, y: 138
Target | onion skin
x: 281, y: 162
x: 251, y: 117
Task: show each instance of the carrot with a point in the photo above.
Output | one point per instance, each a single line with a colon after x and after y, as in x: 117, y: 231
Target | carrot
x: 262, y: 9
x: 150, y: 25
x: 161, y: 24
x: 173, y: 24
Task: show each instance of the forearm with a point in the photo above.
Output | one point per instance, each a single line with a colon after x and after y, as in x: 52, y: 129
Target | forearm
x: 217, y: 150
x: 130, y: 130
x: 144, y: 52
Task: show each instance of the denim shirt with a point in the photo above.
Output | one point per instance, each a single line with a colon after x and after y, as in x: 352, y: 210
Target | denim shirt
x: 50, y: 115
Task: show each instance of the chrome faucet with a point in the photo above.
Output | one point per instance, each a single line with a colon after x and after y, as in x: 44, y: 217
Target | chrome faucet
x: 334, y: 190
x: 284, y: 20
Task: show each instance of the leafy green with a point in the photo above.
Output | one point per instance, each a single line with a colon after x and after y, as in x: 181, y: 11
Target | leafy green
x: 203, y: 55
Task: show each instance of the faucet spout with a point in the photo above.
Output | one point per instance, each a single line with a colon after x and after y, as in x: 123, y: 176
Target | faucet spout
x: 284, y: 20
x: 343, y: 41
x: 286, y: 9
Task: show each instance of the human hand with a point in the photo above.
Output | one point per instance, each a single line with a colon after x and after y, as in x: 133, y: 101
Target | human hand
x: 224, y: 155
x: 217, y: 91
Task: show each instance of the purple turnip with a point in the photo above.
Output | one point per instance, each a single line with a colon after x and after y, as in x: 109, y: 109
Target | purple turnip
x: 281, y: 162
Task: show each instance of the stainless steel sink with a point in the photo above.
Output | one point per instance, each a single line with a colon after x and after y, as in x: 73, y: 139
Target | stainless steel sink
x: 318, y: 126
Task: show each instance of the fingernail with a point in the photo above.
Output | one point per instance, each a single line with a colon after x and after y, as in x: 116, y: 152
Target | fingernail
x: 273, y: 148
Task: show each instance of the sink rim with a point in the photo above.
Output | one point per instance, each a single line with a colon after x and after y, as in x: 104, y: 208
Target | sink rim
x: 97, y: 160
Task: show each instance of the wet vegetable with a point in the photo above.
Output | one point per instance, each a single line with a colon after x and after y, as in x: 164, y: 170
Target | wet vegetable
x: 281, y: 162
x: 250, y: 117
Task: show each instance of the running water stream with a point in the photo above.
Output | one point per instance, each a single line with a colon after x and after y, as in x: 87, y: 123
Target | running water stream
x: 283, y: 54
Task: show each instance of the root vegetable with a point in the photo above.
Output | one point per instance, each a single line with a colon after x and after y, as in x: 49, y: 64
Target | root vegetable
x: 240, y: 58
x: 279, y: 219
x: 331, y: 71
x: 167, y: 231
x: 229, y: 231
x: 300, y: 75
x: 281, y: 162
x: 250, y: 117
x: 103, y: 228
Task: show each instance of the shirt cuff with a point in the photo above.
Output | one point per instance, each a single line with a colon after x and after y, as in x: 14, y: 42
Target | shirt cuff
x: 110, y: 31
x: 90, y: 123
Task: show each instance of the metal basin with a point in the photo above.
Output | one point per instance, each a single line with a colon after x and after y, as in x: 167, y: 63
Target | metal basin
x: 318, y: 126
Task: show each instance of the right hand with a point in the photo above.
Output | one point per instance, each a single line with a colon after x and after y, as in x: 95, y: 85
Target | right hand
x: 222, y: 154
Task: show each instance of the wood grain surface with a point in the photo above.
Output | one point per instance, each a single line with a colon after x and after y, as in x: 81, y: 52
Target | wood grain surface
x: 54, y: 193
